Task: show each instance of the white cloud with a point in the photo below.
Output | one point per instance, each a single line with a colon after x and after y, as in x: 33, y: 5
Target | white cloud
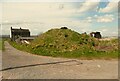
x: 13, y: 12
x: 0, y: 18
x: 89, y: 19
x: 36, y: 11
x: 87, y: 6
x: 108, y: 31
x: 104, y: 30
x: 36, y: 28
x: 0, y: 12
x: 49, y: 14
x: 111, y: 7
x: 43, y: 0
x: 106, y: 18
x: 56, y: 0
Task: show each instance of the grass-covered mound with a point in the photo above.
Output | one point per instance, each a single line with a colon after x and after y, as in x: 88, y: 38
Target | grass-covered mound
x: 70, y: 44
x: 64, y: 42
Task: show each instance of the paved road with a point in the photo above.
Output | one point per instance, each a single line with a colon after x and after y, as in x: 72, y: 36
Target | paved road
x: 22, y: 65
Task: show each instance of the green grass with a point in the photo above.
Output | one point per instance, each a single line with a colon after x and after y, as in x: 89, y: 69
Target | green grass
x: 70, y: 44
x: 1, y: 44
x: 80, y: 54
x: 21, y: 47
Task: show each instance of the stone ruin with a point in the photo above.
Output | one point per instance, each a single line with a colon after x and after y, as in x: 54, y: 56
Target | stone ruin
x: 96, y: 35
x: 63, y: 28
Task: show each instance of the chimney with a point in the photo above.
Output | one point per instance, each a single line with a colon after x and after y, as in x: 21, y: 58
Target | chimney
x: 11, y: 33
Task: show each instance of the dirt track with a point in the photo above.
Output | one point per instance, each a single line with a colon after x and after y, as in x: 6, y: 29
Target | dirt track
x: 22, y: 65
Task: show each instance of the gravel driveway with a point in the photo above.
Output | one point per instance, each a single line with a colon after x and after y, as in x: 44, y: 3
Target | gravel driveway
x: 22, y: 65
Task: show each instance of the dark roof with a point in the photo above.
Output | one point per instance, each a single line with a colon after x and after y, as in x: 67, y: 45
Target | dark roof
x: 20, y: 30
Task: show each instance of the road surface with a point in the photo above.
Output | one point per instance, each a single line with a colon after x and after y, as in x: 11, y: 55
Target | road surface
x: 22, y: 65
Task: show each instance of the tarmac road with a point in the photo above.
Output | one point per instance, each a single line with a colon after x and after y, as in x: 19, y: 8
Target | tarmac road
x: 21, y: 65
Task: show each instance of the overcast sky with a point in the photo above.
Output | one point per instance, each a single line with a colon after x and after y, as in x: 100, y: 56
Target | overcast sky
x: 84, y: 16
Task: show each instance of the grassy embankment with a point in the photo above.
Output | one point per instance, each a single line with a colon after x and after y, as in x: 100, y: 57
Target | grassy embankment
x: 70, y: 44
x: 1, y: 44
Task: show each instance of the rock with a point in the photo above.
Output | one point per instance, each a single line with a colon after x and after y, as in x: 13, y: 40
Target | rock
x: 63, y: 28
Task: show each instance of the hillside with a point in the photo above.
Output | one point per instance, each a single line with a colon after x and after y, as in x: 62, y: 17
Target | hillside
x: 58, y: 41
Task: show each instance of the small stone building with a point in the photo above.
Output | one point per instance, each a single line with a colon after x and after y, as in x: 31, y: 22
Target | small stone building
x: 96, y: 35
x: 16, y: 33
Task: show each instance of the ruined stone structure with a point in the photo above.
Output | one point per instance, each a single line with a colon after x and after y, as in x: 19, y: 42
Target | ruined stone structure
x: 63, y: 28
x: 96, y: 35
x: 16, y: 33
